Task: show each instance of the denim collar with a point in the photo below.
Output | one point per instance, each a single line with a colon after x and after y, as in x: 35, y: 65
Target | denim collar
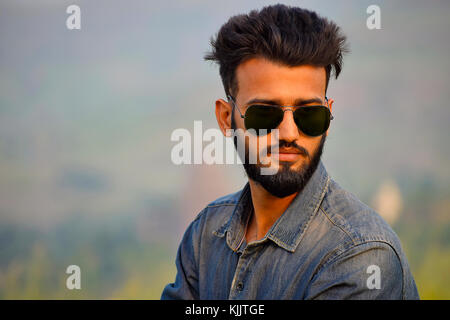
x: 288, y: 230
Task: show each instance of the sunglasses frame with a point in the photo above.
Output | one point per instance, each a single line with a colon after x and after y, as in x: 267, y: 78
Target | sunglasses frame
x: 230, y: 98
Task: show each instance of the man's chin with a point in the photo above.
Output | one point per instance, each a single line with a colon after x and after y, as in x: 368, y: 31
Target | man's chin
x: 292, y: 166
x: 285, y: 182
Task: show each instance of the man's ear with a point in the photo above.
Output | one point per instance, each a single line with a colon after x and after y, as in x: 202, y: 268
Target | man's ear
x: 330, y: 104
x: 223, y: 115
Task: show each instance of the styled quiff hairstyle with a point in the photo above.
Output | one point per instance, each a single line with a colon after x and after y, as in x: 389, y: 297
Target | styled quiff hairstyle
x: 288, y: 35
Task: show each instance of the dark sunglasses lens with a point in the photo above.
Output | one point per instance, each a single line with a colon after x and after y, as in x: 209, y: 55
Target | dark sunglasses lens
x: 313, y: 121
x: 259, y: 117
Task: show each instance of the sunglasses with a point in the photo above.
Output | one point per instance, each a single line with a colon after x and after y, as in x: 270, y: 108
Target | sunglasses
x: 311, y: 120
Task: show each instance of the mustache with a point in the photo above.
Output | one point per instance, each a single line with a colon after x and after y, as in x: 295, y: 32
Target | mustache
x: 290, y: 145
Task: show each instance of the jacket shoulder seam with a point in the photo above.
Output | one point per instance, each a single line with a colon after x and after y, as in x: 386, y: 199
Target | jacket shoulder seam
x: 342, y: 250
x: 220, y: 204
x: 338, y: 225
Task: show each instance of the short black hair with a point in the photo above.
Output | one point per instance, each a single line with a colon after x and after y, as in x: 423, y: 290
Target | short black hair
x: 288, y: 35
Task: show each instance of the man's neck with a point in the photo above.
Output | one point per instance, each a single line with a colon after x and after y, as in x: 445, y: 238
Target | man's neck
x: 267, y: 209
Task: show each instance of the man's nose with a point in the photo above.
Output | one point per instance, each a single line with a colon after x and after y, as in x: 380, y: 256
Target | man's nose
x: 288, y: 129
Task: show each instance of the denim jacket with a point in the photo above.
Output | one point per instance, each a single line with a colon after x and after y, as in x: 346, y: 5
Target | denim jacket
x: 326, y: 245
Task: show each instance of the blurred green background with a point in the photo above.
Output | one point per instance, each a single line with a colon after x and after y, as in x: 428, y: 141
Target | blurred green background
x: 86, y: 117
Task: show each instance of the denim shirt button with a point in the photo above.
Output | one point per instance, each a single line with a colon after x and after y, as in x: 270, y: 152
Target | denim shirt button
x: 240, y: 286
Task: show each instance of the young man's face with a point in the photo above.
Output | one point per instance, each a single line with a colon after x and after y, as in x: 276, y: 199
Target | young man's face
x: 259, y: 78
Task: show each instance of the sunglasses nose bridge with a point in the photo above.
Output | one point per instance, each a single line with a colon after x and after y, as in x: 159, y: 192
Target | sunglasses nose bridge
x: 288, y: 109
x: 288, y: 128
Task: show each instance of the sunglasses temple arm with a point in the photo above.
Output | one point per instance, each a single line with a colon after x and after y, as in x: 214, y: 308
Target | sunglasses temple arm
x: 332, y: 117
x: 234, y: 105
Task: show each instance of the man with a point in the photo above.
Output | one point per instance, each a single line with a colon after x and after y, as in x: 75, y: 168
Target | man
x: 295, y: 234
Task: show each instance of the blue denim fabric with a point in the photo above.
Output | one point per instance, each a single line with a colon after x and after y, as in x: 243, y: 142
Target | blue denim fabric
x: 321, y: 247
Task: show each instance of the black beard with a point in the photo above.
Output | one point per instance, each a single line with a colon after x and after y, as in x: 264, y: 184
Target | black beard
x: 286, y: 181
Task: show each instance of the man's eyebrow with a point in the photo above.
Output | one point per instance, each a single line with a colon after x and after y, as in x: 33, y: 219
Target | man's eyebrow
x: 276, y: 102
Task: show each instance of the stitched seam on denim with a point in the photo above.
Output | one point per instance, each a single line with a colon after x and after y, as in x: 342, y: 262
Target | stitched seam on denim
x: 337, y: 225
x: 337, y: 252
x: 303, y: 231
x: 318, y: 205
x: 399, y: 261
x: 226, y: 204
x: 196, y: 260
x: 341, y: 251
x: 401, y: 266
x: 200, y: 214
x: 245, y: 266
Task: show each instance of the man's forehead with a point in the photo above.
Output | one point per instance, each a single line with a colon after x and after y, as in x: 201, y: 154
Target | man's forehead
x: 262, y: 78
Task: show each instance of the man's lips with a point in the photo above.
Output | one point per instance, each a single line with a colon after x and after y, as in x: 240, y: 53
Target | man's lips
x: 289, y: 154
x: 289, y: 151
